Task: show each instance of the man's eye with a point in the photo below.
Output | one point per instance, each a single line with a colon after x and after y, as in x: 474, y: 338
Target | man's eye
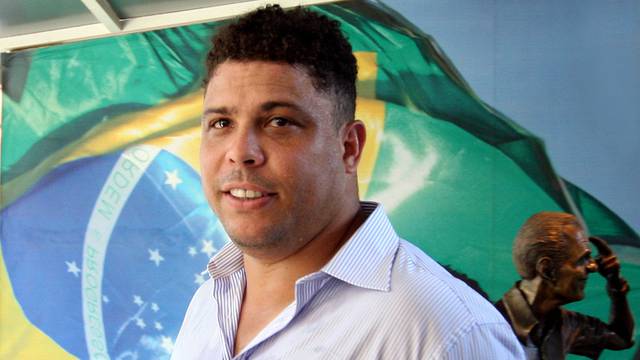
x: 219, y: 124
x: 279, y: 122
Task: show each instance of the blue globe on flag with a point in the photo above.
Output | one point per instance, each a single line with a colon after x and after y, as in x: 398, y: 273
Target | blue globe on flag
x: 119, y: 246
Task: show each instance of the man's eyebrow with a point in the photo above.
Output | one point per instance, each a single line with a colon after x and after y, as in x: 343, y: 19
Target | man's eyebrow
x: 223, y: 110
x: 270, y: 105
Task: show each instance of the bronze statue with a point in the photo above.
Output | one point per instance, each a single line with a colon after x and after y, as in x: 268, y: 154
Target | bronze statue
x: 551, y: 253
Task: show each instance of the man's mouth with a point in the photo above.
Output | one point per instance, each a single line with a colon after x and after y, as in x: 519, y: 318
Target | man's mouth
x: 245, y: 194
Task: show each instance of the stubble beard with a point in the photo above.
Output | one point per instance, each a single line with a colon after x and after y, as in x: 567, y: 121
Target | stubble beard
x: 277, y: 237
x: 281, y: 238
x: 269, y: 240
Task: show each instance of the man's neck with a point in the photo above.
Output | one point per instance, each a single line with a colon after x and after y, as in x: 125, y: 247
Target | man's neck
x: 267, y: 274
x: 270, y: 285
x: 539, y: 296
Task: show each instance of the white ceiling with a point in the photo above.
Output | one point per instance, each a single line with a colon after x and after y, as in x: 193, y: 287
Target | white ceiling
x: 34, y: 23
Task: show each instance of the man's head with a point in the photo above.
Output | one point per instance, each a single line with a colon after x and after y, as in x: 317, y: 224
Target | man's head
x: 554, y: 247
x: 277, y: 167
x: 297, y: 37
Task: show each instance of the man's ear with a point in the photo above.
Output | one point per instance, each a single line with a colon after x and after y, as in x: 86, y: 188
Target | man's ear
x: 545, y: 269
x: 353, y: 138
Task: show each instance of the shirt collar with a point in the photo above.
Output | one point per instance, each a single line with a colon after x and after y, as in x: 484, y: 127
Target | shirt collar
x: 522, y: 318
x: 365, y: 260
x: 227, y: 261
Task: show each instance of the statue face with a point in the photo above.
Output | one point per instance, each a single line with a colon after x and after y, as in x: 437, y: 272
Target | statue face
x: 571, y: 275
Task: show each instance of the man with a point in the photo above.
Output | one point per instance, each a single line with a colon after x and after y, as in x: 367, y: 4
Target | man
x: 311, y: 272
x: 551, y: 253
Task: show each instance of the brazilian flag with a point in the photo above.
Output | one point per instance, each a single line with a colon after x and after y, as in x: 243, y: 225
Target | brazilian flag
x: 105, y: 231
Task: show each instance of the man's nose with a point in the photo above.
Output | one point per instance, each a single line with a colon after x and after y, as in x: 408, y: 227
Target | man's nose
x: 592, y: 266
x: 245, y: 149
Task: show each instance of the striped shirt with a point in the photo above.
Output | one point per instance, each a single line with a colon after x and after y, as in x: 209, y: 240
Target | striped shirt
x: 379, y: 297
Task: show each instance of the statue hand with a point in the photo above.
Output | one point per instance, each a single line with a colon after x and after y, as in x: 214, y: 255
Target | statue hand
x: 607, y: 261
x: 608, y: 265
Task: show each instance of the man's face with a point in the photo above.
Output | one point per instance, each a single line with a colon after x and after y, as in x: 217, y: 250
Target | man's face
x: 271, y: 157
x: 571, y: 276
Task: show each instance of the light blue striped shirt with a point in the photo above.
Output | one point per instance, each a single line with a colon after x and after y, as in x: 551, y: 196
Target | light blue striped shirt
x: 379, y: 297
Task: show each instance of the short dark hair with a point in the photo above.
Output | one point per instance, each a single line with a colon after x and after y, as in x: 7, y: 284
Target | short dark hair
x: 298, y: 37
x: 543, y: 234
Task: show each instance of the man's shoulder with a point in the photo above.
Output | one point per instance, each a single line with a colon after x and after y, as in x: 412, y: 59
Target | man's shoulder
x: 573, y: 318
x: 201, y: 302
x: 426, y: 302
x: 425, y: 283
x: 196, y: 326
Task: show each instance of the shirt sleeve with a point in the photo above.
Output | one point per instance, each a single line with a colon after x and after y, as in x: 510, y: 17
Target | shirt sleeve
x: 486, y: 341
x: 589, y: 335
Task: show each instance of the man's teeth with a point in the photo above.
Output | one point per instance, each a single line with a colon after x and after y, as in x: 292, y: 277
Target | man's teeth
x: 245, y: 194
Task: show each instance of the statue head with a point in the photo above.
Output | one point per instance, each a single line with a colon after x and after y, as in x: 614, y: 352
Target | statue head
x: 554, y: 247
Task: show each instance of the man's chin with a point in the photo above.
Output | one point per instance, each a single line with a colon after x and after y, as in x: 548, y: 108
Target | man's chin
x: 569, y: 298
x: 249, y: 239
x: 250, y: 243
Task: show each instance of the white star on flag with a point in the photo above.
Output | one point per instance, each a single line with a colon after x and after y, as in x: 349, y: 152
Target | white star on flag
x: 154, y: 255
x: 72, y: 268
x: 155, y: 307
x: 172, y: 179
x: 158, y: 326
x: 105, y: 299
x: 137, y: 300
x: 199, y: 279
x: 140, y: 323
x: 167, y: 344
x: 207, y: 247
x: 192, y: 251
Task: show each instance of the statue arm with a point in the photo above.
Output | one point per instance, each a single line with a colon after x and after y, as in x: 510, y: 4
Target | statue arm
x: 620, y: 318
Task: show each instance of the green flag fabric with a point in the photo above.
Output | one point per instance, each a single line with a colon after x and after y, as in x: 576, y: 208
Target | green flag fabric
x: 105, y: 231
